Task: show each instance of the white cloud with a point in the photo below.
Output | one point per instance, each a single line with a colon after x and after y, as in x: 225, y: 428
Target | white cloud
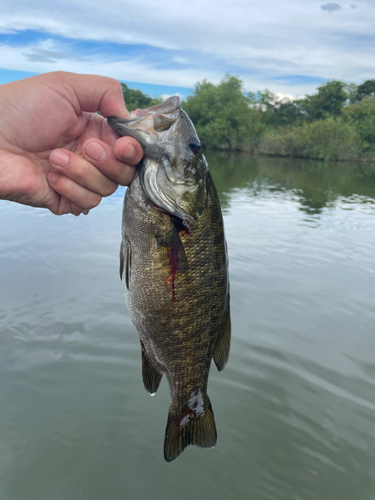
x: 254, y: 40
x: 14, y: 58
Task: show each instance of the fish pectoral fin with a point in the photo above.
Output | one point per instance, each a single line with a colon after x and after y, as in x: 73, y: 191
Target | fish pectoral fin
x: 128, y: 265
x: 122, y: 259
x: 125, y: 262
x: 177, y: 256
x: 175, y: 248
x: 221, y: 353
x: 189, y: 428
x: 150, y: 373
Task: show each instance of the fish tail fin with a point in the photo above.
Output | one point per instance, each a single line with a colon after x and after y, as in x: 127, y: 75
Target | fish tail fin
x: 192, y: 427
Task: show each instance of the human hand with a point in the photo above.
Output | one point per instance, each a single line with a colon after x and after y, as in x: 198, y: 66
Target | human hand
x: 50, y: 119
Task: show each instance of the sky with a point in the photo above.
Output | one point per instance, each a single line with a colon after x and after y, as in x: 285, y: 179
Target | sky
x: 162, y: 47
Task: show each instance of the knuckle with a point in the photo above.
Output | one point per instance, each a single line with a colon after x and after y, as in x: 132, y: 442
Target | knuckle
x: 115, y: 84
x: 112, y: 84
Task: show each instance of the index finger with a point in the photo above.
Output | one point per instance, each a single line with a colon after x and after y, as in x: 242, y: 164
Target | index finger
x: 116, y: 163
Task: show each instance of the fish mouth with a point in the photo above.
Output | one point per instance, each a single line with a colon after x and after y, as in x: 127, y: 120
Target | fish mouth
x: 145, y: 125
x: 166, y: 107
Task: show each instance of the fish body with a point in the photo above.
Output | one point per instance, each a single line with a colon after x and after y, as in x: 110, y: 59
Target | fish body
x: 174, y: 270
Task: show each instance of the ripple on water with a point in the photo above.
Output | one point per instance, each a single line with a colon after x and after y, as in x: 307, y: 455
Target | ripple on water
x: 295, y: 407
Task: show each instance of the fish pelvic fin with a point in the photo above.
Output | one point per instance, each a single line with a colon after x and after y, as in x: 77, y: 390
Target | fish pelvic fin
x: 221, y: 353
x: 150, y: 373
x: 192, y: 427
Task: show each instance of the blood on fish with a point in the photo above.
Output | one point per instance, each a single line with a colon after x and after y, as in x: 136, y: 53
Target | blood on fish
x: 174, y: 263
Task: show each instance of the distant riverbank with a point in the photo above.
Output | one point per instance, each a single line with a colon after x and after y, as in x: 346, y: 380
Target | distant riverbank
x: 336, y: 123
x: 329, y: 140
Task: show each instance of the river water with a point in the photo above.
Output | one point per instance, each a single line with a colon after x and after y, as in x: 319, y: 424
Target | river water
x: 294, y: 408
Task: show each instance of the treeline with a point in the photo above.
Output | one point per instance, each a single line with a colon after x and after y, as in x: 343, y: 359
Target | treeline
x: 335, y: 123
x: 135, y: 99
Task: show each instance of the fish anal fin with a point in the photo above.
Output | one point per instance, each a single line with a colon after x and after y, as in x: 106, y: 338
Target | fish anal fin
x: 221, y: 353
x: 190, y: 428
x: 150, y: 373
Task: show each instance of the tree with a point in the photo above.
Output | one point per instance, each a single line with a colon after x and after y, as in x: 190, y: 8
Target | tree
x: 223, y: 115
x: 365, y: 90
x: 329, y: 101
x: 136, y: 99
x: 362, y: 116
x: 277, y: 111
x: 351, y: 91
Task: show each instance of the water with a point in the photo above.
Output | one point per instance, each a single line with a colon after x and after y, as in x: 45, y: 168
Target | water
x: 295, y: 407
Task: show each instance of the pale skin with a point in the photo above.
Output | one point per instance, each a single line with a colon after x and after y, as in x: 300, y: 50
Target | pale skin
x: 56, y: 152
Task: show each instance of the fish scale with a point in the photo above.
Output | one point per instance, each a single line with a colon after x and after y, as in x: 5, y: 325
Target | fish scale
x: 174, y: 269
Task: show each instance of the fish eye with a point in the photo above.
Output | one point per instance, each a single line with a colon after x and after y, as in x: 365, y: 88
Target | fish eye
x: 195, y: 147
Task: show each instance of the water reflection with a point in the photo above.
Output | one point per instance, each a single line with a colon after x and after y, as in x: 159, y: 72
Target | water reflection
x: 315, y: 185
x: 295, y: 408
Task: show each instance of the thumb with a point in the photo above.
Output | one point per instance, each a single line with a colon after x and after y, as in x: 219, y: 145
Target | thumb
x: 97, y: 93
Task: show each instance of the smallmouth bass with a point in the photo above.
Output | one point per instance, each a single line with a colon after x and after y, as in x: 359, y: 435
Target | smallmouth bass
x: 174, y: 269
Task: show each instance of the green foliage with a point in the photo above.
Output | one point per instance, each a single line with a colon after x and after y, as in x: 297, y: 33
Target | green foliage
x: 336, y: 123
x: 289, y: 112
x: 329, y: 139
x: 223, y: 116
x: 277, y: 112
x: 361, y: 116
x: 351, y: 91
x: 329, y: 101
x: 366, y: 89
x: 136, y: 99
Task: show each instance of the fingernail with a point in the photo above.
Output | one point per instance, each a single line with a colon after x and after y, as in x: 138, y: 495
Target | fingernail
x: 86, y: 212
x: 59, y: 158
x: 52, y: 176
x: 129, y: 152
x: 95, y: 151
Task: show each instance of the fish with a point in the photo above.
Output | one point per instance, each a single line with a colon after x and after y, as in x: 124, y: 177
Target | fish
x: 174, y: 269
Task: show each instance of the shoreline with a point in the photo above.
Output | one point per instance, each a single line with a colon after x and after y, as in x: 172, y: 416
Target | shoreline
x: 265, y: 155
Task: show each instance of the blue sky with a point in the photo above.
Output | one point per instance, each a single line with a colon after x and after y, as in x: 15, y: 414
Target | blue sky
x: 289, y: 47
